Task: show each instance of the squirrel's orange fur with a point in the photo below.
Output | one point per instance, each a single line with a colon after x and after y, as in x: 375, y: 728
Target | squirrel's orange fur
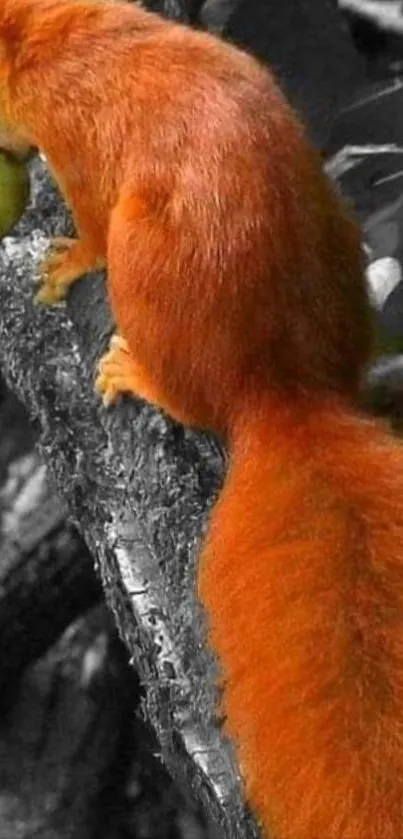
x: 236, y: 280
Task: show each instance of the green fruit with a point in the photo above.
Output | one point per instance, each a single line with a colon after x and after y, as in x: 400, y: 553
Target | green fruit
x: 14, y: 191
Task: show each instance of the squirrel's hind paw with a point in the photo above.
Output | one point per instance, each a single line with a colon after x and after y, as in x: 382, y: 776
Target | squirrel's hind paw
x: 116, y: 371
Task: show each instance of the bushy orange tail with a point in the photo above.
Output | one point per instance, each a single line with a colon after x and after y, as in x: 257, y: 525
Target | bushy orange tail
x: 302, y: 580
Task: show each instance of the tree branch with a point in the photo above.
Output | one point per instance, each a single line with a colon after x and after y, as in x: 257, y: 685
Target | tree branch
x: 138, y: 487
x: 47, y: 578
x: 62, y: 735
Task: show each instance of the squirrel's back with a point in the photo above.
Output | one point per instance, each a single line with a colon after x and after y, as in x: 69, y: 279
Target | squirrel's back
x: 129, y: 107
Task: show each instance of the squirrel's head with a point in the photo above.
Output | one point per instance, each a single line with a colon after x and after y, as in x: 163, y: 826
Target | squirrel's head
x: 31, y: 34
x: 13, y: 141
x: 14, y: 17
x: 13, y: 138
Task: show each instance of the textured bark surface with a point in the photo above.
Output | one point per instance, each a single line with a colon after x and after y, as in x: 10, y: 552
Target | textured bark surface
x: 47, y: 578
x: 138, y: 487
x: 60, y: 737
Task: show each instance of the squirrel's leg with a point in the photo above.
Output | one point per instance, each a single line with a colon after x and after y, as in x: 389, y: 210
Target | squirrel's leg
x: 119, y: 372
x: 66, y: 261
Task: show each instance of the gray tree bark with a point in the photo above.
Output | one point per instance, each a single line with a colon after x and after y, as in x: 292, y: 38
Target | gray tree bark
x: 138, y: 487
x: 47, y: 578
x: 62, y: 734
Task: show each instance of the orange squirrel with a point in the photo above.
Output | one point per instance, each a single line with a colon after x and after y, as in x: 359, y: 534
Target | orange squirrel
x: 236, y: 280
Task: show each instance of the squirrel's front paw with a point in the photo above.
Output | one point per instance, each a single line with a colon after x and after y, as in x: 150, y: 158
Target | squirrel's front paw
x: 66, y: 261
